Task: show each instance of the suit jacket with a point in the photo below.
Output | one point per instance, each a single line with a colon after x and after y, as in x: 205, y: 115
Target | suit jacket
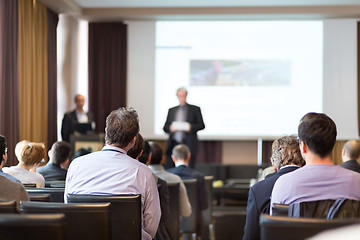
x: 194, y: 117
x: 185, y: 172
x: 11, y: 190
x: 164, y: 196
x: 69, y: 123
x: 259, y: 202
x: 52, y: 172
x: 351, y: 165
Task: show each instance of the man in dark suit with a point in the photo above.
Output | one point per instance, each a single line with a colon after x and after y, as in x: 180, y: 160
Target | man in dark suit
x: 286, y: 157
x: 350, y: 154
x: 71, y: 120
x: 181, y: 156
x: 182, y: 123
x: 56, y: 168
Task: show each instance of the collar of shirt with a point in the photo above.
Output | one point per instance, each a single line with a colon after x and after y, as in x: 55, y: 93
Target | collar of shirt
x: 157, y: 167
x: 291, y: 165
x: 113, y: 148
x: 180, y: 164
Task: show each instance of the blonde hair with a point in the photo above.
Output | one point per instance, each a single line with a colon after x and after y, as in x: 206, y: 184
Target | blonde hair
x: 19, y: 147
x: 32, y: 153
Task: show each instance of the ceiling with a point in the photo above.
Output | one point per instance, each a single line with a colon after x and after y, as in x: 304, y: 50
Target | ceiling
x: 113, y: 10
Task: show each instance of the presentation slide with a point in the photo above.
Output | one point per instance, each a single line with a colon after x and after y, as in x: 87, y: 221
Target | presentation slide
x: 250, y: 78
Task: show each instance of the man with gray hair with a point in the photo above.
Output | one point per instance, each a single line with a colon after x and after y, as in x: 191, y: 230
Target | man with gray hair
x: 181, y: 155
x: 182, y: 123
x: 350, y: 153
x: 112, y: 172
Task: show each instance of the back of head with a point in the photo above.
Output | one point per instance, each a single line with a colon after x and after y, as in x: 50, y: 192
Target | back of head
x: 156, y: 153
x: 181, y: 152
x: 60, y: 152
x: 318, y: 132
x: 19, y: 147
x: 2, y: 145
x: 122, y: 125
x: 81, y: 152
x: 135, y: 151
x: 32, y: 153
x: 286, y: 151
x: 146, y: 153
x: 352, y: 149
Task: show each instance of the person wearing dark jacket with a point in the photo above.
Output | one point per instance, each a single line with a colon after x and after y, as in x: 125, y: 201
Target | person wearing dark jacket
x: 182, y: 124
x: 56, y: 168
x: 350, y: 153
x: 71, y: 120
x: 181, y: 155
x: 286, y: 157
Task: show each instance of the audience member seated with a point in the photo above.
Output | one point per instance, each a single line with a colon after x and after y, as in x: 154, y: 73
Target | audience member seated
x: 181, y: 155
x: 56, y: 168
x: 350, y: 154
x: 80, y: 152
x: 10, y: 187
x: 31, y: 156
x: 136, y: 152
x: 266, y: 172
x: 156, y: 161
x: 19, y: 147
x: 286, y: 157
x: 146, y: 155
x: 112, y: 172
x: 320, y: 179
x: 3, y: 154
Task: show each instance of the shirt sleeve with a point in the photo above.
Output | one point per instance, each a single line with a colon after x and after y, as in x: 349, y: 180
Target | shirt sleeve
x: 152, y: 211
x: 185, y: 206
x: 276, y: 196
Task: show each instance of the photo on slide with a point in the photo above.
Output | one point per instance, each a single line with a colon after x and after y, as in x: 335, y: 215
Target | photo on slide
x: 273, y: 72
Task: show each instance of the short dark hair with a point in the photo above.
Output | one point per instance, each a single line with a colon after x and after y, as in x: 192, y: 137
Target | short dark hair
x: 146, y: 152
x: 81, y: 152
x: 2, y: 146
x: 122, y: 125
x: 156, y: 153
x: 318, y: 132
x: 60, y: 152
x: 181, y: 152
x: 137, y: 148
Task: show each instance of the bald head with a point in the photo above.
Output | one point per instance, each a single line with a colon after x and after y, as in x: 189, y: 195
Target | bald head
x: 79, y: 102
x: 351, y: 150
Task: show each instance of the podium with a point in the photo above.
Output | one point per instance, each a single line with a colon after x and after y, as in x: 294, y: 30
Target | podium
x: 92, y: 142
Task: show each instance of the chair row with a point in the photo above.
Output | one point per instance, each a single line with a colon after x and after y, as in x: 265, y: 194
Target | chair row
x: 284, y: 228
x: 96, y: 217
x: 305, y: 219
x: 187, y: 225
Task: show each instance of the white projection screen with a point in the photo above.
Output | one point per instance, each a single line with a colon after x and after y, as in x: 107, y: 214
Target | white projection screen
x: 252, y: 79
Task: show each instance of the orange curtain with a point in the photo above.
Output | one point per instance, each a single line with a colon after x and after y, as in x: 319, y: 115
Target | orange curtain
x: 33, y: 71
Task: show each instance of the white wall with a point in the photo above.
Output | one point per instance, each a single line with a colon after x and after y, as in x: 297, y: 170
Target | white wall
x: 72, y: 61
x: 340, y: 75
